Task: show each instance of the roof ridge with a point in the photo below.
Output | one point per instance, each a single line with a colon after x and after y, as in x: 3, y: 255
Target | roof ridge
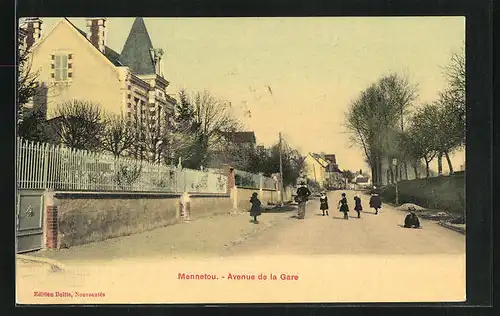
x: 113, y: 59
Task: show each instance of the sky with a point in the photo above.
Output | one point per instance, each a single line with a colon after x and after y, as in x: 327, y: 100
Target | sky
x: 297, y: 76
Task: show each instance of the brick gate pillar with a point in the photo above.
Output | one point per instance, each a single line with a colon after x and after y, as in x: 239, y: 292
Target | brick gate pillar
x: 52, y: 227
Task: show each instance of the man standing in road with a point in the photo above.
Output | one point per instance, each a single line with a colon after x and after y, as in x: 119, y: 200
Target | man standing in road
x: 303, y: 194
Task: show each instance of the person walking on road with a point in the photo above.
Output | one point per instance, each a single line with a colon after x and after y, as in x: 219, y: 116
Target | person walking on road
x: 303, y: 194
x: 357, y: 205
x: 343, y: 207
x: 323, y: 200
x: 375, y: 202
x: 255, y: 210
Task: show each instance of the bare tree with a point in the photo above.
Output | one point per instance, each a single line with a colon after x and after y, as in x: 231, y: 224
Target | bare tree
x: 373, y: 120
x: 423, y: 135
x: 119, y: 135
x: 209, y: 120
x: 449, y: 132
x: 30, y: 119
x: 27, y: 82
x: 79, y: 124
x: 454, y: 95
x: 213, y: 116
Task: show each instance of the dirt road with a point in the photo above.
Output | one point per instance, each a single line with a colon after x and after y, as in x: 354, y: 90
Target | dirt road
x: 380, y: 234
x: 335, y: 260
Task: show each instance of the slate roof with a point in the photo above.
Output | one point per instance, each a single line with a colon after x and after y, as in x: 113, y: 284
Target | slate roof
x: 320, y: 160
x: 136, y: 52
x: 112, y: 55
x: 241, y: 137
x: 333, y: 167
x: 331, y: 158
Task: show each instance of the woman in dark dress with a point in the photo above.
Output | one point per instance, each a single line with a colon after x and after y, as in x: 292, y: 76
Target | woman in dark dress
x: 375, y: 202
x: 357, y: 205
x: 343, y: 207
x: 323, y: 200
x: 255, y: 210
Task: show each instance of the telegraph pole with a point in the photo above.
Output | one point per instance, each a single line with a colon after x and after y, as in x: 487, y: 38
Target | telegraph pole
x: 281, y: 173
x: 405, y: 165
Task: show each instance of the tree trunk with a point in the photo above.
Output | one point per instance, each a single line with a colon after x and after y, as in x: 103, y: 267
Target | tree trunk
x: 415, y: 170
x: 391, y: 170
x: 379, y: 168
x: 450, y: 166
x: 379, y: 172
x: 427, y: 173
x: 374, y: 173
x: 440, y: 164
x: 406, y: 170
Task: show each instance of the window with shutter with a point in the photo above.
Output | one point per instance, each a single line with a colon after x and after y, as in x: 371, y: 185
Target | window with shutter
x: 61, y: 67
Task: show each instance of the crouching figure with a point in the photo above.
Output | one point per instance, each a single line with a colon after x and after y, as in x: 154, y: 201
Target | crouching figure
x: 412, y: 221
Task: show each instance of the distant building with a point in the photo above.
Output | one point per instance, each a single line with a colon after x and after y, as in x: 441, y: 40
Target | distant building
x: 233, y: 149
x: 361, y: 181
x: 316, y: 168
x: 333, y: 173
x: 246, y: 139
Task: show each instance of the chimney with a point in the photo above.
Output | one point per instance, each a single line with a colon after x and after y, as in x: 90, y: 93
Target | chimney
x: 33, y: 31
x: 157, y: 56
x: 97, y: 32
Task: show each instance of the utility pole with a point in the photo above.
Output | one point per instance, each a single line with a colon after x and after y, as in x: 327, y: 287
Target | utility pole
x: 395, y: 163
x: 405, y: 165
x: 281, y: 173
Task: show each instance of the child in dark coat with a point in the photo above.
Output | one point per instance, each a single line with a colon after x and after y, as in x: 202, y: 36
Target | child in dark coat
x: 255, y: 210
x: 411, y: 221
x: 343, y: 207
x: 375, y: 202
x: 357, y: 205
x: 323, y: 200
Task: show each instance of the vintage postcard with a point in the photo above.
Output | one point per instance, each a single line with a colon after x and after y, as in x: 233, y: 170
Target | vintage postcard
x: 240, y: 160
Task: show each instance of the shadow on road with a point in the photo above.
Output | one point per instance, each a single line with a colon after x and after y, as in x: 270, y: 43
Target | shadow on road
x: 403, y: 226
x: 277, y: 209
x: 335, y: 217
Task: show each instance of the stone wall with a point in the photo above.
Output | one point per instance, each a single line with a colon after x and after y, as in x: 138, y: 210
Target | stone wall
x: 266, y: 197
x: 445, y: 193
x: 91, y: 217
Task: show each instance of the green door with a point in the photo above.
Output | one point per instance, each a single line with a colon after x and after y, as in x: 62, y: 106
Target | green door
x: 29, y: 220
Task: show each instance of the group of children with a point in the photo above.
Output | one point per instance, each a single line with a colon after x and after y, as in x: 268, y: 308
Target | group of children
x: 411, y: 220
x: 343, y: 206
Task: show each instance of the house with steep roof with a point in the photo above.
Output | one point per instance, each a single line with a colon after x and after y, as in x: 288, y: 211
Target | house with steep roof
x: 323, y: 169
x: 334, y: 175
x: 78, y: 65
x: 315, y: 168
